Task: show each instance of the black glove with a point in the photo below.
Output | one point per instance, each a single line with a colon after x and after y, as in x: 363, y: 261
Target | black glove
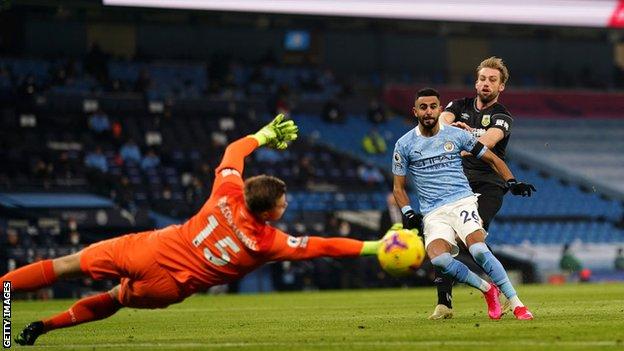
x: 411, y: 220
x: 520, y: 188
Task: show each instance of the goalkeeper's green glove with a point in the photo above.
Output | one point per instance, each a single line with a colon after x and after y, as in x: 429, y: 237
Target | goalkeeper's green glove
x: 277, y: 133
x: 286, y: 132
x: 371, y: 247
x: 398, y: 226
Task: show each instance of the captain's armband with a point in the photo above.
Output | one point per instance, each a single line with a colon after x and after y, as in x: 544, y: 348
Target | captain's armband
x: 478, y: 150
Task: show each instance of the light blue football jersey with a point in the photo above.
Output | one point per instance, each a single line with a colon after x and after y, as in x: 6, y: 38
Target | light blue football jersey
x: 435, y: 165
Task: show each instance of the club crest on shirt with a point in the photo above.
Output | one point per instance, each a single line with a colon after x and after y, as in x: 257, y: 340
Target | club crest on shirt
x: 449, y: 146
x: 485, y: 121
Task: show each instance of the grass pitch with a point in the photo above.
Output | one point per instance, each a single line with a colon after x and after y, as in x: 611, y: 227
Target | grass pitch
x: 571, y: 317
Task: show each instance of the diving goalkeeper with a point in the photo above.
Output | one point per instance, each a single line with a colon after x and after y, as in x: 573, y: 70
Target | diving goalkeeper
x: 228, y: 238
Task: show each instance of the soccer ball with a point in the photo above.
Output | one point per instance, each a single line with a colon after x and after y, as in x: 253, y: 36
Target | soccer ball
x: 400, y: 252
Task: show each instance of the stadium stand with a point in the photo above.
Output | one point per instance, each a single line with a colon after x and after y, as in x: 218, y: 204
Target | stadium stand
x: 585, y: 151
x: 569, y: 207
x: 182, y: 116
x: 67, y: 139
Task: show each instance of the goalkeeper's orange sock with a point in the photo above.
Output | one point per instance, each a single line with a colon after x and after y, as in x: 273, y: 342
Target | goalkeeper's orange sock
x: 88, y: 309
x: 31, y: 277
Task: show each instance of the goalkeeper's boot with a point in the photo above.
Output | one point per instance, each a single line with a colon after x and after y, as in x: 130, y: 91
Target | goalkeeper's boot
x: 523, y: 313
x: 492, y: 299
x: 29, y: 335
x: 441, y: 312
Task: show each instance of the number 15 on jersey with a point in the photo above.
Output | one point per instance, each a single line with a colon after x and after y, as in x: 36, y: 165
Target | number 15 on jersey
x: 221, y: 245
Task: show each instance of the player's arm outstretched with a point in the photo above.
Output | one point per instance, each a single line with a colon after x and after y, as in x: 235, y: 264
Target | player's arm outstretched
x: 276, y: 135
x: 290, y: 248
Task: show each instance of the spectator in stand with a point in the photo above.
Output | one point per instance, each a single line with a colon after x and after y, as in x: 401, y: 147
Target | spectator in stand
x: 280, y: 101
x: 304, y: 172
x: 73, y: 239
x: 96, y: 63
x: 195, y: 193
x: 344, y: 229
x: 66, y: 169
x: 116, y: 132
x: 569, y: 262
x: 373, y: 143
x: 13, y: 238
x: 123, y: 194
x: 165, y: 202
x: 5, y: 76
x: 143, y: 82
x: 205, y: 173
x: 151, y: 160
x: 43, y: 172
x: 332, y: 224
x: 59, y: 75
x: 619, y: 260
x: 97, y: 160
x: 130, y: 152
x: 370, y: 175
x: 332, y: 112
x: 270, y: 156
x: 26, y: 93
x: 16, y: 254
x: 99, y: 123
x: 376, y: 113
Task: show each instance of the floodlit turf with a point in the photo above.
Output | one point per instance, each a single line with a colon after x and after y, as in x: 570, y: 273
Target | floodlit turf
x: 572, y: 317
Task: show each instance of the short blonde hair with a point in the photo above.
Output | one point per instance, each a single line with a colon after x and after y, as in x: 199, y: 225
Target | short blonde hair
x: 495, y: 63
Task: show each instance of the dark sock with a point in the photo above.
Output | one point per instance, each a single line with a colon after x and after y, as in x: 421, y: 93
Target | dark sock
x: 445, y: 289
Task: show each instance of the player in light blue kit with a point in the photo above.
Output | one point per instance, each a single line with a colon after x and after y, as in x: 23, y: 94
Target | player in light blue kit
x: 431, y: 154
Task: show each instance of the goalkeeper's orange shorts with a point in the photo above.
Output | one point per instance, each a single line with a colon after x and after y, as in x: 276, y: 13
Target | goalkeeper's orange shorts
x: 132, y: 258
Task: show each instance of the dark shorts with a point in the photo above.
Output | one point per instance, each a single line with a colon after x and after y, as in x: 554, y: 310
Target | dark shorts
x: 490, y: 201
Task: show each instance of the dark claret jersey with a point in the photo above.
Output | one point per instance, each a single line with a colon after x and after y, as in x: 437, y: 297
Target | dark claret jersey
x: 495, y: 116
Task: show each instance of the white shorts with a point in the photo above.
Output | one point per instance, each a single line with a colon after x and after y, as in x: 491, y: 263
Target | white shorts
x: 457, y: 219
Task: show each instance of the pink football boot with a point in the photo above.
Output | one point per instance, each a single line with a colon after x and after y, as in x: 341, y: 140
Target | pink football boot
x: 493, y: 302
x: 523, y: 313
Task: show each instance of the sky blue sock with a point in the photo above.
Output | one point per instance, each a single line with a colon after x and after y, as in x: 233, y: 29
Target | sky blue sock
x: 458, y: 271
x: 492, y: 266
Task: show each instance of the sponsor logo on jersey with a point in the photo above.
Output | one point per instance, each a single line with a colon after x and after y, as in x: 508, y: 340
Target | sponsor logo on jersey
x: 229, y: 171
x: 437, y: 162
x: 397, y: 166
x: 502, y: 123
x: 464, y: 115
x: 295, y: 242
x: 396, y: 157
x: 449, y: 146
x: 485, y: 121
x: 478, y: 132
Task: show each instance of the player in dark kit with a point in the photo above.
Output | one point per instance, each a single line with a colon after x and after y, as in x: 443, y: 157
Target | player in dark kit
x: 491, y: 123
